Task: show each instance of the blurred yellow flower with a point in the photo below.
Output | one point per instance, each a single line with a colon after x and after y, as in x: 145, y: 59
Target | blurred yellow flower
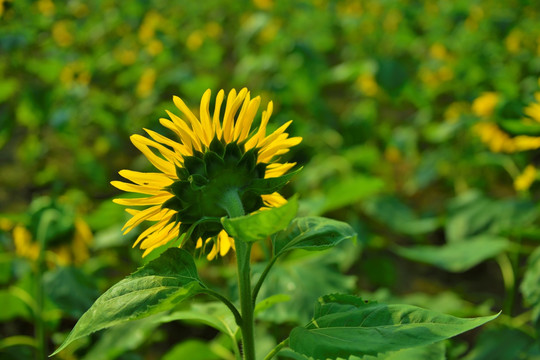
x: 499, y: 141
x: 62, y: 33
x: 75, y: 73
x: 392, y: 20
x: 438, y: 51
x: 215, y: 154
x: 367, y: 84
x: 6, y: 224
x: 454, y: 111
x: 24, y: 246
x: 533, y: 111
x: 524, y: 180
x: 125, y: 56
x: 195, y: 40
x: 213, y: 29
x: 76, y: 252
x: 264, y: 4
x: 496, y: 139
x: 269, y: 32
x: 79, y: 9
x: 513, y: 41
x: 46, y: 7
x: 150, y: 23
x: 484, y: 105
x: 146, y: 83
x: 154, y: 47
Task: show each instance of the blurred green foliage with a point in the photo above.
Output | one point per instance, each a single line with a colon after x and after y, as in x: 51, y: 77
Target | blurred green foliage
x: 388, y: 96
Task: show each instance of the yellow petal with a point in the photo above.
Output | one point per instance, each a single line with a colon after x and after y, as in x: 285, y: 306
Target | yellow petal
x: 215, y: 117
x: 157, y: 180
x: 151, y: 200
x: 275, y: 169
x: 142, y: 143
x: 139, y: 189
x: 194, y: 122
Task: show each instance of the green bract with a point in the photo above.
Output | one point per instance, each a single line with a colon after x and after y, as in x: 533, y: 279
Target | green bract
x: 206, y: 177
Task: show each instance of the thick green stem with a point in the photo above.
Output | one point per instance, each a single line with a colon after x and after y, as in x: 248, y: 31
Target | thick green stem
x: 232, y: 203
x: 243, y: 252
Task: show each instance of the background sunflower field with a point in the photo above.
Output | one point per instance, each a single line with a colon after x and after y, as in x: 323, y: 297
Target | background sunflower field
x: 421, y: 127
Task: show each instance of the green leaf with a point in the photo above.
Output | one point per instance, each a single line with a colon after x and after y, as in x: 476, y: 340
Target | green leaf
x: 258, y: 226
x: 344, y: 325
x: 429, y: 352
x: 122, y: 338
x: 70, y: 289
x: 311, y: 233
x: 156, y: 287
x: 502, y: 344
x: 12, y: 307
x: 399, y: 217
x: 342, y: 193
x: 214, y: 314
x: 304, y: 276
x: 457, y: 256
x: 270, y: 301
x: 270, y: 185
x: 530, y: 286
x: 193, y: 350
x: 473, y: 214
x: 520, y: 127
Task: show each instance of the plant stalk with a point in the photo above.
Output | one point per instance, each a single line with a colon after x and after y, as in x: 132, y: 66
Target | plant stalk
x: 232, y: 203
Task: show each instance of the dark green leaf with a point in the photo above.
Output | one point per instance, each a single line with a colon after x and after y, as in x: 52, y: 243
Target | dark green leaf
x: 399, y: 217
x: 258, y: 226
x: 70, y: 289
x: 343, y: 325
x: 429, y: 352
x: 304, y: 277
x: 457, y: 256
x: 122, y: 338
x: 530, y: 286
x: 311, y: 233
x: 156, y: 287
x: 270, y: 185
x: 501, y: 344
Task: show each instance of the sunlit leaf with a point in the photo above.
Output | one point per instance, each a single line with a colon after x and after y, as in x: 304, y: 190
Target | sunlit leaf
x: 258, y: 226
x: 156, y: 287
x: 311, y: 233
x: 457, y: 256
x: 193, y: 350
x: 344, y: 325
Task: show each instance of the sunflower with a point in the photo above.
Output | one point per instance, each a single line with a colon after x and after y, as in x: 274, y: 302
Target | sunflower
x: 211, y: 156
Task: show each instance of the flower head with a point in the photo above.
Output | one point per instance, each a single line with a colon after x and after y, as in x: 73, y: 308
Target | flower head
x: 211, y: 156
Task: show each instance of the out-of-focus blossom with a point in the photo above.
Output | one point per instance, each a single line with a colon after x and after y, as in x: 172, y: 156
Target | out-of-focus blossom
x: 195, y: 40
x: 367, y: 84
x: 525, y: 179
x: 146, y: 83
x: 485, y: 104
x: 46, y: 7
x: 62, y: 32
